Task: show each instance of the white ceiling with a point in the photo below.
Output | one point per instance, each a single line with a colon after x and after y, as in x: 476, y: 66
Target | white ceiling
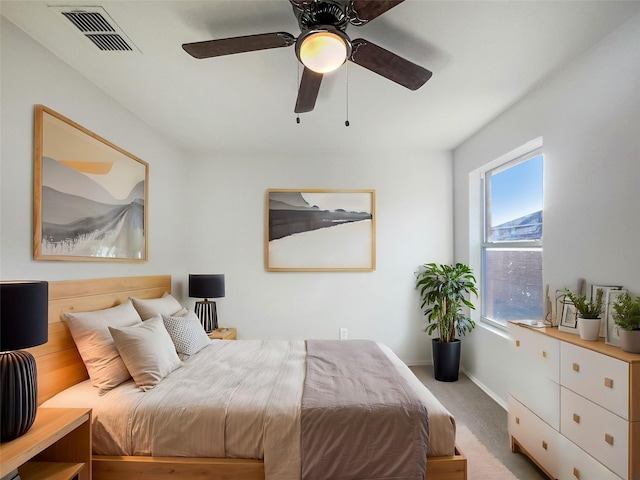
x: 484, y: 55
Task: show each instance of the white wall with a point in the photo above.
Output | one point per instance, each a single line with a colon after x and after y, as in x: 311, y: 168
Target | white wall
x: 414, y: 212
x: 31, y: 75
x: 207, y: 214
x: 589, y: 117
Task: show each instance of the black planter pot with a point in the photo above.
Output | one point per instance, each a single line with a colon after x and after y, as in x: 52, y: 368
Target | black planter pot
x: 446, y: 359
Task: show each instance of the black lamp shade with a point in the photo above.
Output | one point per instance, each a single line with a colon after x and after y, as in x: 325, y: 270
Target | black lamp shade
x: 24, y: 323
x: 206, y: 286
x: 24, y: 312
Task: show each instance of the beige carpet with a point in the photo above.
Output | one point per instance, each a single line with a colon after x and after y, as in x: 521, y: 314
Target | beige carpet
x: 481, y: 464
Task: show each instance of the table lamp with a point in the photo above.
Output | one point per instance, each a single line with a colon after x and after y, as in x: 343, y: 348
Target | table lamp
x: 206, y: 286
x: 24, y: 323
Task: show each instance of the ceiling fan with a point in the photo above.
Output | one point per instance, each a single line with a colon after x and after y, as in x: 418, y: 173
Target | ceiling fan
x: 323, y: 45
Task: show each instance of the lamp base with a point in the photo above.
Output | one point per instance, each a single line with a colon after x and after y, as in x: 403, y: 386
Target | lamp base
x: 18, y: 379
x: 208, y: 315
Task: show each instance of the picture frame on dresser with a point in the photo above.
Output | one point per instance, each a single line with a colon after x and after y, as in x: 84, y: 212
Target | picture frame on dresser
x: 569, y: 319
x: 611, y: 336
x: 90, y: 196
x: 606, y: 303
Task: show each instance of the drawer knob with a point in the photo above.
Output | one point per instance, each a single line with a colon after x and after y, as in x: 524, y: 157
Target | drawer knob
x: 517, y: 420
x: 576, y: 473
x: 576, y: 418
x: 544, y: 354
x: 517, y: 343
x: 576, y: 367
x: 544, y: 445
x: 608, y: 382
x: 608, y: 438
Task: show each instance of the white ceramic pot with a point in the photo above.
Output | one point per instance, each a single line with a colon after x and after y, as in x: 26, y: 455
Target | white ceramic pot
x: 589, y: 328
x: 629, y: 340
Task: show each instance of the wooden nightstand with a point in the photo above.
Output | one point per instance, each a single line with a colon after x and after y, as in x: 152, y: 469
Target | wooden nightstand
x: 224, y: 333
x: 58, y: 446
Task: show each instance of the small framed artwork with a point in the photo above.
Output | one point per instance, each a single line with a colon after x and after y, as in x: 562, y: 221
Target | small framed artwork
x: 320, y: 230
x: 569, y: 319
x: 611, y: 336
x: 606, y: 292
x: 90, y: 196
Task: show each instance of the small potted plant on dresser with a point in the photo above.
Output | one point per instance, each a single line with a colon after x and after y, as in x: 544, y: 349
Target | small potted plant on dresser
x: 442, y: 293
x: 626, y: 315
x: 588, y: 313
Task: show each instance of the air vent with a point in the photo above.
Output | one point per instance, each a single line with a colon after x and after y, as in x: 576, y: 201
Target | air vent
x: 89, y: 21
x: 96, y: 25
x: 108, y: 41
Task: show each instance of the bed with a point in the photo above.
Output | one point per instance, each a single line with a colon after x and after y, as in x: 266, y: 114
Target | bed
x: 60, y: 368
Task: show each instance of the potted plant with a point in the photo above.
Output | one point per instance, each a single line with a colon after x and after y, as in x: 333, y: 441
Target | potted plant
x: 626, y: 314
x: 443, y: 291
x: 588, y: 313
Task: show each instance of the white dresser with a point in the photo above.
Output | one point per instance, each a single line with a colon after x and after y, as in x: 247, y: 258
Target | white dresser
x: 574, y: 406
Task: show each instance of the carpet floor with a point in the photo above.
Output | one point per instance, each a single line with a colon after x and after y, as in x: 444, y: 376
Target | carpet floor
x: 481, y: 464
x: 482, y: 429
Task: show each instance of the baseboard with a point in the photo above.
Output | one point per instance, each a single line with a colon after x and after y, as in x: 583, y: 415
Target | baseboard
x: 486, y: 390
x: 418, y: 363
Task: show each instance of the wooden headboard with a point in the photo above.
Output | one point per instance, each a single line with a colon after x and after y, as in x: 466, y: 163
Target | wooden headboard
x: 58, y: 361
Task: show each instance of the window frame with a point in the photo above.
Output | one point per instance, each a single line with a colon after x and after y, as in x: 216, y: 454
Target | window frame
x: 508, y: 161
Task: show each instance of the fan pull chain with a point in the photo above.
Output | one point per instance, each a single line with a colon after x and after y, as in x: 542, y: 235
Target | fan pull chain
x: 346, y: 123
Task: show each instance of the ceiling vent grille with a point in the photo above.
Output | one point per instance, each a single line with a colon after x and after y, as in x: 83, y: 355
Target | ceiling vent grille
x: 96, y: 25
x: 89, y: 21
x: 107, y: 41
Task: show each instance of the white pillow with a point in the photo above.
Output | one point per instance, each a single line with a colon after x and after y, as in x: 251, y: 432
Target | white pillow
x: 150, y: 307
x: 186, y: 332
x: 147, y: 351
x: 90, y: 331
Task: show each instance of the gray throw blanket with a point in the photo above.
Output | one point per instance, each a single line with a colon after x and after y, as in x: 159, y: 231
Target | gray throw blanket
x: 360, y: 418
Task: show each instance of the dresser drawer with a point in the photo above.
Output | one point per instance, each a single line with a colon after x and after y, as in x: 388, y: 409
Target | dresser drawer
x: 534, y: 373
x: 600, y: 378
x: 542, y: 353
x: 536, y: 437
x: 602, y: 434
x: 576, y: 464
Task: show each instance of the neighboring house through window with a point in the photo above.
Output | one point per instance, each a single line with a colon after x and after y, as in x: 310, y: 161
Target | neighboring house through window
x: 511, y: 271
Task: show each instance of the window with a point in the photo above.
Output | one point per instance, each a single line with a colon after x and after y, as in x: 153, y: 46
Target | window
x: 512, y: 245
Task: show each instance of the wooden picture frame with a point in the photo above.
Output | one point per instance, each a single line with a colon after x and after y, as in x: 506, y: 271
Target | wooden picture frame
x: 320, y: 230
x: 90, y: 196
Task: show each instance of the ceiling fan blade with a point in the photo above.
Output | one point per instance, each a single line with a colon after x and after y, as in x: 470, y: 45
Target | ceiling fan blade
x: 308, y: 91
x: 366, y: 10
x: 388, y: 64
x: 248, y: 43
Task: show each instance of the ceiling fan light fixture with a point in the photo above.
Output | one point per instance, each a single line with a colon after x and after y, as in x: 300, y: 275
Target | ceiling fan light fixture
x: 323, y: 51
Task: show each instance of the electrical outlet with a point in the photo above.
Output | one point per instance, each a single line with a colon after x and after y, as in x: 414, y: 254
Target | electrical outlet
x: 344, y: 334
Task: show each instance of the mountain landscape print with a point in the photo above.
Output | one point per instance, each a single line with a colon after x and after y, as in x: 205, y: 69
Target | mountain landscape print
x: 92, y: 196
x: 320, y: 230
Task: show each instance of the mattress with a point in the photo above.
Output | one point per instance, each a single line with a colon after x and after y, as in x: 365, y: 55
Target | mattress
x: 233, y: 399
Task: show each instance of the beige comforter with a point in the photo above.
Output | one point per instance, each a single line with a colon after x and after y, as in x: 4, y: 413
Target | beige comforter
x: 244, y: 402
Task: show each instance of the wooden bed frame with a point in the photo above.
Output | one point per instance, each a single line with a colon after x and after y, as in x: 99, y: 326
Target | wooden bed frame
x: 60, y: 366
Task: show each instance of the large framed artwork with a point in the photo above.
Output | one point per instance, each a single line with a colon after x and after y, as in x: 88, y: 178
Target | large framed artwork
x: 320, y: 230
x: 90, y: 196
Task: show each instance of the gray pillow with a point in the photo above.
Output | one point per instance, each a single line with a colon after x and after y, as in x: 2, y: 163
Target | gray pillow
x: 150, y: 307
x: 147, y: 351
x: 186, y: 332
x: 90, y: 332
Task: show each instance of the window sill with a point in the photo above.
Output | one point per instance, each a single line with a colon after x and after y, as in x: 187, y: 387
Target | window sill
x: 495, y: 328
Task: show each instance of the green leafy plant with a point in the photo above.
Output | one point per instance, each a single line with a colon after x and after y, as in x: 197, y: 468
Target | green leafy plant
x: 586, y: 308
x: 626, y: 312
x: 443, y: 290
